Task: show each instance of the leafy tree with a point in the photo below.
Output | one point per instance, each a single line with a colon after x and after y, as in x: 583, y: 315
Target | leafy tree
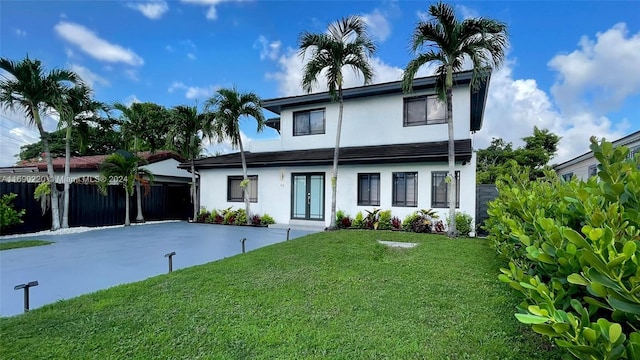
x: 447, y: 41
x: 345, y: 43
x: 30, y: 90
x: 500, y: 158
x: 122, y: 169
x: 185, y: 137
x: 75, y: 107
x: 8, y: 215
x: 144, y: 127
x: 227, y: 107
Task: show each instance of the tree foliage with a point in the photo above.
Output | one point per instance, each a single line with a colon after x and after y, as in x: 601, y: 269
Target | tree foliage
x: 8, y: 214
x: 501, y: 158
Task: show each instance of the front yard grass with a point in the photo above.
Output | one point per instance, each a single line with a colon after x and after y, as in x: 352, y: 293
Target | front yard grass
x: 8, y: 245
x: 332, y: 295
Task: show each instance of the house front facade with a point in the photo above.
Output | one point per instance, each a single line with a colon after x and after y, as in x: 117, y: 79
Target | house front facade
x: 586, y: 165
x: 393, y: 155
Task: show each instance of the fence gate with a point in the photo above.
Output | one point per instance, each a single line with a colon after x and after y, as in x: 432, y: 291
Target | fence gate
x: 484, y: 194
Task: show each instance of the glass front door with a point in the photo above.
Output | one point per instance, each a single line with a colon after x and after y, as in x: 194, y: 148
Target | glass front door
x: 307, y: 196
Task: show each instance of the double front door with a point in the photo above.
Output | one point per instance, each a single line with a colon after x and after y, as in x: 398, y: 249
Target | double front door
x: 307, y: 196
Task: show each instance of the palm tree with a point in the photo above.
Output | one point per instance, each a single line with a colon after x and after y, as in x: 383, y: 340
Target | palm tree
x: 30, y: 90
x: 185, y: 137
x: 447, y: 41
x: 227, y: 107
x: 346, y: 43
x: 122, y: 169
x: 75, y: 107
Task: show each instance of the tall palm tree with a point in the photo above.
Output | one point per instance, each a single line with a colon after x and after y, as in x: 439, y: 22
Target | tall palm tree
x: 30, y: 89
x: 185, y: 137
x: 346, y: 43
x: 445, y: 40
x: 122, y: 168
x: 227, y: 107
x: 75, y: 107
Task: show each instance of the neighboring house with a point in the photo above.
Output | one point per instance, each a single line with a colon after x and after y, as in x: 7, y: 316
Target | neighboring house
x: 163, y: 164
x: 393, y: 154
x: 585, y: 165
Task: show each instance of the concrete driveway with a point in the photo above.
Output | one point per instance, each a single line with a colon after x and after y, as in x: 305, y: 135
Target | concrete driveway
x: 86, y: 262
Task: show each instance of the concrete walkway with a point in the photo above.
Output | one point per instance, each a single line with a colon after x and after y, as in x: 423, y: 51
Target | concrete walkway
x: 86, y: 262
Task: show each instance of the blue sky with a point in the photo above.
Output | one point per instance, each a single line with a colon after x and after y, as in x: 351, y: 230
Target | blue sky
x: 572, y: 67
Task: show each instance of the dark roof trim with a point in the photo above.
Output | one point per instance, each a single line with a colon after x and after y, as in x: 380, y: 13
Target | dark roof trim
x: 478, y: 96
x: 274, y: 123
x: 625, y: 140
x: 382, y: 154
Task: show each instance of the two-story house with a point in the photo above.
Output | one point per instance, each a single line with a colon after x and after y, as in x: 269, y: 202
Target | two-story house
x: 393, y: 154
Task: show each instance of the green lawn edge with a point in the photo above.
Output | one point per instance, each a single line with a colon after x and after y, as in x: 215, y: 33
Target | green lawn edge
x: 9, y: 245
x: 338, y: 295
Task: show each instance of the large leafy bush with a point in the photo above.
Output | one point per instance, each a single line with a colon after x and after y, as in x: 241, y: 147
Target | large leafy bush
x: 572, y: 250
x: 8, y: 215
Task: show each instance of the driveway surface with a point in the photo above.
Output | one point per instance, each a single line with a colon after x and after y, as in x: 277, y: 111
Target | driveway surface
x: 86, y: 262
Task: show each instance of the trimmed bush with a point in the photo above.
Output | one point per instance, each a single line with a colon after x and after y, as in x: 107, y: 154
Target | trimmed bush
x: 267, y: 219
x: 358, y: 221
x: 463, y: 223
x: 572, y: 250
x: 384, y: 220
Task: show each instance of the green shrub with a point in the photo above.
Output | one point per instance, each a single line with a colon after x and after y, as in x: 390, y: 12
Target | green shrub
x: 8, y: 215
x: 267, y: 220
x: 342, y: 220
x: 384, y: 220
x: 572, y: 250
x: 229, y: 217
x: 212, y: 216
x: 463, y: 223
x: 358, y: 221
x: 372, y: 220
x: 407, y: 222
x: 240, y: 217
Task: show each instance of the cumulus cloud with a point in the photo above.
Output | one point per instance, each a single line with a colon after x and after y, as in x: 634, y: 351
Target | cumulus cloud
x: 212, y: 13
x: 96, y: 47
x: 21, y: 32
x: 89, y: 76
x: 193, y: 92
x: 14, y: 133
x: 224, y: 146
x: 268, y: 49
x: 602, y: 73
x: 378, y: 25
x: 153, y: 9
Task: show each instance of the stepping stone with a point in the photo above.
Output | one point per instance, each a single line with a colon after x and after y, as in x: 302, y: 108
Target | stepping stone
x: 397, y: 244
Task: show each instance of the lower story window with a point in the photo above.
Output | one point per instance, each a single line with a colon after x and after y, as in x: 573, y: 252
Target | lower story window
x: 369, y: 189
x: 405, y: 189
x: 440, y: 189
x: 235, y: 192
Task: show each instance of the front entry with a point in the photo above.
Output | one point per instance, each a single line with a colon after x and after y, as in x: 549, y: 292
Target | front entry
x: 307, y: 196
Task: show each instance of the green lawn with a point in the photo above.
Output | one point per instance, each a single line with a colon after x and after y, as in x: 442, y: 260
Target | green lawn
x: 22, y: 244
x: 334, y: 295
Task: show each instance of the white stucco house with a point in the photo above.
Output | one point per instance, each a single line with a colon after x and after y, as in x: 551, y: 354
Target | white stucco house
x: 393, y: 154
x: 585, y: 165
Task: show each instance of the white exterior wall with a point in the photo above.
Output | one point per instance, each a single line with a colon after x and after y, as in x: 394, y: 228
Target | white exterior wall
x: 274, y: 189
x: 369, y: 121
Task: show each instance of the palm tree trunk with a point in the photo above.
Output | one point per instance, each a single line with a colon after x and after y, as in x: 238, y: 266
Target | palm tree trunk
x: 336, y: 154
x: 245, y: 178
x: 139, y: 216
x: 127, y: 222
x: 453, y: 232
x: 55, y: 209
x: 194, y: 195
x: 67, y: 163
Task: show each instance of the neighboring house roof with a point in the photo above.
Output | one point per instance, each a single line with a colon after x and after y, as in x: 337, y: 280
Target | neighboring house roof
x: 478, y: 95
x: 633, y: 137
x: 89, y: 162
x: 378, y: 154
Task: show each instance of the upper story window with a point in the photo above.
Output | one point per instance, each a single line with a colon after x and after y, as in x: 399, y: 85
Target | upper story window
x: 423, y: 110
x: 309, y: 122
x: 593, y: 170
x: 567, y: 176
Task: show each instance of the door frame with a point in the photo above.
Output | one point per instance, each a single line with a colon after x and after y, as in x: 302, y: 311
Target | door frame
x: 324, y: 195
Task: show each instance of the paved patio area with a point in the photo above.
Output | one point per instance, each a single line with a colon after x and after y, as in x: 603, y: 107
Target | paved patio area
x: 86, y: 262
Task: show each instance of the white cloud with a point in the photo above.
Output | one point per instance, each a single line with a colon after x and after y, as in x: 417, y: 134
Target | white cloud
x: 88, y: 76
x: 21, y: 32
x: 377, y: 25
x: 224, y: 147
x: 169, y: 48
x: 14, y: 133
x: 466, y: 12
x: 193, y: 92
x: 268, y: 50
x: 212, y: 13
x: 601, y: 74
x: 94, y: 46
x: 153, y: 9
x: 191, y: 56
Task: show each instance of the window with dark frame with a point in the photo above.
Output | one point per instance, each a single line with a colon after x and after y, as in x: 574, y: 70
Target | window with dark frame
x: 593, y: 170
x: 567, y: 176
x: 309, y: 122
x: 369, y: 189
x: 405, y: 189
x: 423, y: 110
x: 439, y: 189
x: 235, y: 192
